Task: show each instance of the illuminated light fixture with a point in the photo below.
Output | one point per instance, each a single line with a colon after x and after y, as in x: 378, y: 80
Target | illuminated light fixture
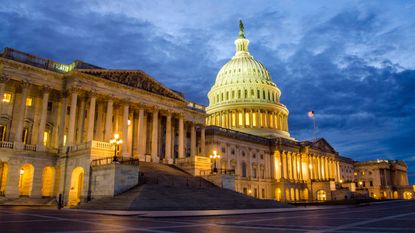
x: 215, y: 156
x: 311, y: 166
x: 341, y: 181
x: 249, y: 191
x: 116, y: 141
x: 21, y: 171
x: 129, y: 122
x: 279, y: 191
x: 360, y: 182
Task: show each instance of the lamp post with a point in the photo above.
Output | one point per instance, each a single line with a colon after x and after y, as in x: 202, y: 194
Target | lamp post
x: 116, y: 141
x: 214, y: 157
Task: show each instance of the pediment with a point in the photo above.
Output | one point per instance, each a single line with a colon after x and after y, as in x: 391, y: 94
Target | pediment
x: 323, y: 145
x: 134, y: 78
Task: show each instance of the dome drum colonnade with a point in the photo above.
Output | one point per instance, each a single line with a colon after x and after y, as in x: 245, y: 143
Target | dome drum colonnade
x: 244, y: 98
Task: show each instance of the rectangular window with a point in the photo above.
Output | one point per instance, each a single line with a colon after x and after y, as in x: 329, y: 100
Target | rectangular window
x: 50, y: 106
x: 261, y: 120
x: 239, y: 94
x: 2, y: 132
x: 7, y: 97
x: 263, y: 193
x: 29, y: 102
x: 371, y: 183
x: 45, y: 138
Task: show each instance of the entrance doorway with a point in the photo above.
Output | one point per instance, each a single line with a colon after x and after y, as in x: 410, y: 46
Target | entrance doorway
x: 26, y: 179
x: 77, y: 184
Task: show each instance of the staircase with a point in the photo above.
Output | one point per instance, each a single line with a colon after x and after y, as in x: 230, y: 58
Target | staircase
x: 166, y: 187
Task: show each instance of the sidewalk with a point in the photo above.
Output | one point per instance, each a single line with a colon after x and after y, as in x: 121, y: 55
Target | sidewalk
x: 199, y: 213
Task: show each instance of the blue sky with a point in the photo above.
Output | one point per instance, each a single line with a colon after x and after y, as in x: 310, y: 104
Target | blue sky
x: 352, y: 62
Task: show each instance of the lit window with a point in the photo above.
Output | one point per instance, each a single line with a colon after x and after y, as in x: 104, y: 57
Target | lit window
x: 45, y: 138
x: 240, y: 122
x: 233, y: 120
x: 29, y: 102
x: 247, y: 118
x: 254, y: 119
x: 7, y: 97
x: 64, y: 139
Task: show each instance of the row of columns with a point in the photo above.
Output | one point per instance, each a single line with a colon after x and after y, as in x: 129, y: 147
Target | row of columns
x: 295, y: 166
x: 249, y: 118
x: 141, y: 129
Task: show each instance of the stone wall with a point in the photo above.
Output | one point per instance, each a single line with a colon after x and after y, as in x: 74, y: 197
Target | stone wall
x: 112, y: 179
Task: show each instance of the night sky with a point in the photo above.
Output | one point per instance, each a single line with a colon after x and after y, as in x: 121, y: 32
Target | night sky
x: 352, y: 62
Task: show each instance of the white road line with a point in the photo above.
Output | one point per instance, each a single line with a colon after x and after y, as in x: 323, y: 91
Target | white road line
x: 350, y: 225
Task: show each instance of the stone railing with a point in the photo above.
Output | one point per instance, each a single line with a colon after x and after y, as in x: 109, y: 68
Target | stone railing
x: 4, y: 144
x: 102, y: 145
x: 30, y: 147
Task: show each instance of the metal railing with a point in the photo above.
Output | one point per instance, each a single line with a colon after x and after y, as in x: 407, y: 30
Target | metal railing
x: 217, y: 171
x: 110, y: 160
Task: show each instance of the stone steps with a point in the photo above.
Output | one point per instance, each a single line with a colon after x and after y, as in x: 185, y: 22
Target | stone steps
x: 186, y: 192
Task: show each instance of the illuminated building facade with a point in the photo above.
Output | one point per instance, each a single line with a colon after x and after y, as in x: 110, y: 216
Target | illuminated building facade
x: 57, y: 122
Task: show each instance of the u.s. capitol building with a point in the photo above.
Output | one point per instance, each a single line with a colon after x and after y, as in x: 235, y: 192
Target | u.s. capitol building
x: 59, y: 122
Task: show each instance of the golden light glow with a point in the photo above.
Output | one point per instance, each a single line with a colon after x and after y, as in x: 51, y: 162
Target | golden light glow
x: 7, y: 97
x: 129, y: 122
x: 45, y: 138
x: 341, y: 181
x: 360, y: 182
x: 310, y: 166
x: 29, y: 102
x: 249, y: 191
x: 21, y: 171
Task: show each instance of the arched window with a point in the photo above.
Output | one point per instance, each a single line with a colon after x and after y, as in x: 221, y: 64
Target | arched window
x: 243, y: 169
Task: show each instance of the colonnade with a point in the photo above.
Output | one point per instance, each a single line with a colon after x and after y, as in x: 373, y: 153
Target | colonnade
x: 249, y: 118
x: 302, y: 167
x: 86, y: 116
x: 138, y: 126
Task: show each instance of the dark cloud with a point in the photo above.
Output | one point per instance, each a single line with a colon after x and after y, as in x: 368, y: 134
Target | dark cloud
x: 353, y: 66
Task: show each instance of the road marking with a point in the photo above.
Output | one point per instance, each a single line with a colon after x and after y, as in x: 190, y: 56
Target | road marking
x: 350, y: 225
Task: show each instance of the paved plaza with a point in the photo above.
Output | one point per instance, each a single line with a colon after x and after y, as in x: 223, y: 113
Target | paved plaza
x: 386, y: 217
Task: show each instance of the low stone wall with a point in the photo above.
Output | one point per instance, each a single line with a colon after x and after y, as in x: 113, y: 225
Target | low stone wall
x: 222, y: 180
x: 112, y: 179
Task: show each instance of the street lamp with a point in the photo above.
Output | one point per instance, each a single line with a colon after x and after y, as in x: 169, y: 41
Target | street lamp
x: 116, y: 141
x: 214, y: 157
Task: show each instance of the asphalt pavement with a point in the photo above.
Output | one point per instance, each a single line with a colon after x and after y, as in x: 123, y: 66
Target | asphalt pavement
x: 383, y: 217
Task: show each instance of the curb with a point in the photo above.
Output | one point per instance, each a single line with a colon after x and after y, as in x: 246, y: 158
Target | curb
x: 197, y: 213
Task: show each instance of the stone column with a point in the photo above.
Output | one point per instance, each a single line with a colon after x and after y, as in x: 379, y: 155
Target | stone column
x: 266, y: 119
x: 3, y: 80
x: 91, y: 118
x: 80, y: 122
x: 301, y: 167
x: 251, y: 119
x: 243, y: 118
x: 42, y: 123
x: 99, y: 128
x: 202, y: 140
x: 72, y: 116
x: 169, y: 156
x: 338, y: 170
x: 62, y: 122
x: 286, y: 173
x: 154, y: 137
x: 126, y: 109
x: 193, y: 151
x: 141, y: 135
x: 21, y: 113
x: 108, y: 121
x: 181, y: 137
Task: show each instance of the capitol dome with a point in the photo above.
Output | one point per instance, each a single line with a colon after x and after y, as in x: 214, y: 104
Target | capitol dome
x: 244, y: 97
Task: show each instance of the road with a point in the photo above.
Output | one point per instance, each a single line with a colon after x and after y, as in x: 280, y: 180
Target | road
x: 386, y: 217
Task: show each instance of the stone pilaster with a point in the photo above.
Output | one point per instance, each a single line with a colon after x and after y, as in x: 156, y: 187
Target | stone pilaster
x: 141, y: 135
